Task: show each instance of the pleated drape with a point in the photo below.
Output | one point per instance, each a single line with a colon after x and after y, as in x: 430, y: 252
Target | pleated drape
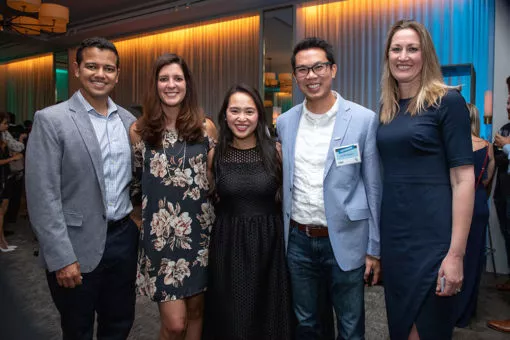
x: 219, y: 54
x: 461, y: 31
x: 29, y: 86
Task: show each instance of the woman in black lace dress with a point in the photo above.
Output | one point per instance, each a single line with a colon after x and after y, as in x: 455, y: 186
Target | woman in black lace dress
x: 248, y: 295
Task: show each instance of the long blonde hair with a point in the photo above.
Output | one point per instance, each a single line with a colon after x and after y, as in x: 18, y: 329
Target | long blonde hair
x: 474, y: 118
x: 432, y: 86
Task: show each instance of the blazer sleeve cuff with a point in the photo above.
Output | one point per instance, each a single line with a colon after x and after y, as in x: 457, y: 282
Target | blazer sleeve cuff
x: 58, y: 258
x: 374, y: 249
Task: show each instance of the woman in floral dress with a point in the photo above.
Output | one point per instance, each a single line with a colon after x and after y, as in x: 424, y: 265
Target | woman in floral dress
x: 171, y: 155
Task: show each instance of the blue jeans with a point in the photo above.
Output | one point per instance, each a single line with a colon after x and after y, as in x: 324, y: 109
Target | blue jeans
x: 311, y: 263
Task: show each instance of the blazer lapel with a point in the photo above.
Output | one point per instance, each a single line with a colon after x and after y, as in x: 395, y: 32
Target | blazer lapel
x: 293, y: 127
x: 343, y: 117
x: 86, y: 130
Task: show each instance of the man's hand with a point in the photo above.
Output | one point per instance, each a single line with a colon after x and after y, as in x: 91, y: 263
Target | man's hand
x: 372, y: 264
x: 136, y: 216
x: 69, y: 276
x: 22, y: 137
x: 501, y: 141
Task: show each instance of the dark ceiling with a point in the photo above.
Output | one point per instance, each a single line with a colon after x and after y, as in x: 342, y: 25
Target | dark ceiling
x: 117, y: 18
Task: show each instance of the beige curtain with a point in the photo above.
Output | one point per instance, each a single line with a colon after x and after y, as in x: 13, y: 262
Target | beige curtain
x: 73, y: 82
x: 357, y: 30
x: 219, y: 54
x: 3, y: 90
x: 29, y: 86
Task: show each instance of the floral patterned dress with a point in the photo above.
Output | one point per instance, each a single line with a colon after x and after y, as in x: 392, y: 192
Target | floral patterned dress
x: 177, y: 217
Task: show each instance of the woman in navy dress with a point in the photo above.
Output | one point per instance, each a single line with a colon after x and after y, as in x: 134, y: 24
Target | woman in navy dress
x: 475, y: 249
x: 428, y: 193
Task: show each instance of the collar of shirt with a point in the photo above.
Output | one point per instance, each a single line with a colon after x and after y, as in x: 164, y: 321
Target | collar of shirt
x: 112, y: 108
x: 321, y: 119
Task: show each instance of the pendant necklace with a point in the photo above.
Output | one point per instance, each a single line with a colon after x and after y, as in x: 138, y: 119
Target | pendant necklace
x: 171, y: 137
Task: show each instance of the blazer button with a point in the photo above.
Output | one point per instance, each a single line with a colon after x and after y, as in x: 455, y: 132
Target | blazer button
x: 288, y: 215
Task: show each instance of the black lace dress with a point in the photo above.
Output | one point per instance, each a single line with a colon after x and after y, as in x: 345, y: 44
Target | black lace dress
x: 248, y: 293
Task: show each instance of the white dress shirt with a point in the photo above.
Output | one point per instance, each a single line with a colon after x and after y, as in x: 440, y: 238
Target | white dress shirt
x: 116, y: 153
x: 312, y: 144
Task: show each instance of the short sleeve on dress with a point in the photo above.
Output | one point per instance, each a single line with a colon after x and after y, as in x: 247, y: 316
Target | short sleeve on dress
x: 455, y: 129
x: 211, y: 143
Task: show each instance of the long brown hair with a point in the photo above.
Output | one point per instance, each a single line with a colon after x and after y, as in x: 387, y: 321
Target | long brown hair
x: 432, y: 86
x: 190, y: 120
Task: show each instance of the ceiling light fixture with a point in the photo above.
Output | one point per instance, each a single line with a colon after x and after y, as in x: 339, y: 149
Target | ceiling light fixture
x: 51, y: 18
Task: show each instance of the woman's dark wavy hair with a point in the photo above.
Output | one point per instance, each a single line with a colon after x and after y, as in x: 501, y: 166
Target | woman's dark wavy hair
x: 266, y: 145
x: 190, y: 120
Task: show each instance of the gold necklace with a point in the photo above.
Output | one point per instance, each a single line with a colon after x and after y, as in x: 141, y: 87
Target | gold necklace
x: 172, y: 135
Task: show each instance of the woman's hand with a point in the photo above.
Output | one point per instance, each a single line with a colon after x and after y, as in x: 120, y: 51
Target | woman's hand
x: 16, y: 156
x: 452, y: 269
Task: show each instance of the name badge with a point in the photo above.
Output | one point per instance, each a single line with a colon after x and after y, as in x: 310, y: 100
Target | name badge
x: 347, y: 154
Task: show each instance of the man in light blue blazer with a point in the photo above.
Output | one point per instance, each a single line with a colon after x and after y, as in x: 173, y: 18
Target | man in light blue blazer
x: 331, y: 196
x: 78, y: 172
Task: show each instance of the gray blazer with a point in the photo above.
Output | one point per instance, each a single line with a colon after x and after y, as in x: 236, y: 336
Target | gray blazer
x: 65, y: 185
x: 352, y: 193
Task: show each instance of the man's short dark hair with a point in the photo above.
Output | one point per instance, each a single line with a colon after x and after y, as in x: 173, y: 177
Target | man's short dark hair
x: 508, y: 84
x: 101, y: 43
x: 313, y: 42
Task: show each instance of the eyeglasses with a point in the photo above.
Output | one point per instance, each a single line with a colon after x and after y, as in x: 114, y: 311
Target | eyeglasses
x: 319, y: 69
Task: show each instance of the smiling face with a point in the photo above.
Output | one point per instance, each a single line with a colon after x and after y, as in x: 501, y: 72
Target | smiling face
x: 171, y: 85
x: 314, y: 87
x: 97, y: 73
x: 242, y: 117
x: 405, y: 59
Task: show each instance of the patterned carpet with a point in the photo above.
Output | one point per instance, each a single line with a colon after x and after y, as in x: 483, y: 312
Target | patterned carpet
x: 27, y: 312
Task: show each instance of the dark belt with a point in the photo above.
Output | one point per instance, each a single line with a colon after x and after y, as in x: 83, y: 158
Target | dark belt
x: 118, y: 223
x: 311, y: 230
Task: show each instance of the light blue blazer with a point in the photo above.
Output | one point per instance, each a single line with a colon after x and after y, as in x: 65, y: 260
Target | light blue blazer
x: 352, y: 193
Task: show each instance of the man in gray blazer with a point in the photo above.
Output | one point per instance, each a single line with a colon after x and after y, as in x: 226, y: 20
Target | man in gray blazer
x: 331, y: 196
x: 78, y: 172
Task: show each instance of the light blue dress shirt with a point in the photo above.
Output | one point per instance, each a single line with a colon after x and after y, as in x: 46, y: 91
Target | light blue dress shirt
x: 116, y: 153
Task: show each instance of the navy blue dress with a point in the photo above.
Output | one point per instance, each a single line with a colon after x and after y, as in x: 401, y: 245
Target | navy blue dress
x: 475, y: 248
x: 416, y: 214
